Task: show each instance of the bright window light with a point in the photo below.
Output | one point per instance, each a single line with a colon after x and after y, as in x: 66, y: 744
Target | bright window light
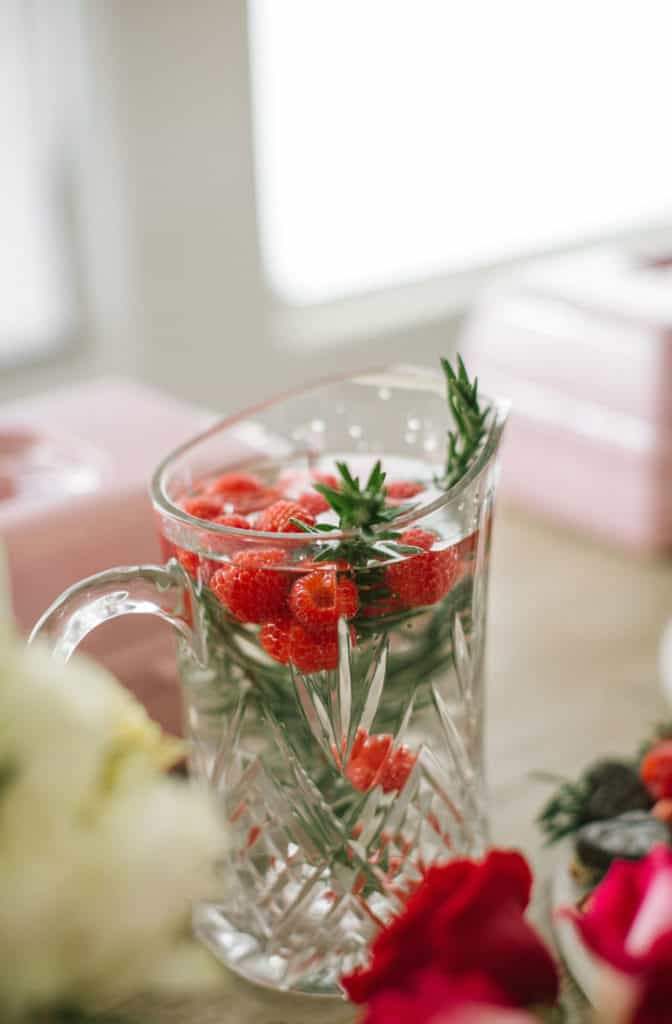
x: 32, y: 293
x: 401, y: 139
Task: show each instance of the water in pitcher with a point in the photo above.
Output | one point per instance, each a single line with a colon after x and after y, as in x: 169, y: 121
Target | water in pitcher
x: 339, y: 713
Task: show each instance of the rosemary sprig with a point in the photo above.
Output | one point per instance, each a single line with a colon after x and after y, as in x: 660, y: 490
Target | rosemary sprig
x: 604, y: 790
x: 469, y: 417
x: 356, y: 507
x: 360, y: 509
x: 565, y: 812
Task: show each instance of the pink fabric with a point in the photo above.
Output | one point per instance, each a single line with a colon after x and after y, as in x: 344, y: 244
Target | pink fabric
x: 589, y: 441
x: 124, y: 429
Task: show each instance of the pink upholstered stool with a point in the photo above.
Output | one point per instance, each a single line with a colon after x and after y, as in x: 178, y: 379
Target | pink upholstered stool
x: 75, y: 467
x: 583, y: 348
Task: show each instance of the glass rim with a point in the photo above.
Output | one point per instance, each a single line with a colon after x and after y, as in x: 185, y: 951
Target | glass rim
x: 435, y: 382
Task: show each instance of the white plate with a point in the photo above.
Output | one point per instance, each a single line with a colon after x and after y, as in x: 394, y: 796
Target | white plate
x: 565, y: 892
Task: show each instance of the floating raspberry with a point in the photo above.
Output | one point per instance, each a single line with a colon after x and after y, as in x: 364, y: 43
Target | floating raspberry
x: 313, y: 502
x: 656, y: 770
x: 418, y: 538
x: 327, y: 479
x: 321, y: 598
x: 422, y: 579
x: 250, y: 588
x: 274, y: 638
x: 276, y: 518
x: 400, y: 490
x: 203, y: 508
x: 244, y: 492
x: 232, y: 484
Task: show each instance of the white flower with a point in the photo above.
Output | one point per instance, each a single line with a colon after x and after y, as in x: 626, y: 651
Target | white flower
x: 100, y: 853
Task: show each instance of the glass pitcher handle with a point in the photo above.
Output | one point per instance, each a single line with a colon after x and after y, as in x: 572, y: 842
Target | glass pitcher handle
x: 164, y: 591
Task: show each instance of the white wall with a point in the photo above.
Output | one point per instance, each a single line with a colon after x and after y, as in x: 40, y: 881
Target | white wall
x: 164, y: 208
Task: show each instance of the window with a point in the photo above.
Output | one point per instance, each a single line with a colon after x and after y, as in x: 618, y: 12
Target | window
x: 34, y: 311
x: 397, y: 141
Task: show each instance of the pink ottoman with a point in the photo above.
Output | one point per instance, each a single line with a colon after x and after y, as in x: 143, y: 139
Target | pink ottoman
x: 75, y: 467
x: 583, y: 348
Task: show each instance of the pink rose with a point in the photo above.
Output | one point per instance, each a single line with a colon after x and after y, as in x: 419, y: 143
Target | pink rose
x: 628, y: 924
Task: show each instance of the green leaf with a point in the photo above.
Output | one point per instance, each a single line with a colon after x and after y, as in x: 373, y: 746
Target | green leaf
x: 469, y: 419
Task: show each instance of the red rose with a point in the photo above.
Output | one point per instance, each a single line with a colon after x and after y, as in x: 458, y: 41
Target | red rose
x: 435, y: 999
x: 465, y: 917
x: 628, y: 924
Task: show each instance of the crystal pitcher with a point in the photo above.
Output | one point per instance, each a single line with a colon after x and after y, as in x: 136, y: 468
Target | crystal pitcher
x: 344, y: 746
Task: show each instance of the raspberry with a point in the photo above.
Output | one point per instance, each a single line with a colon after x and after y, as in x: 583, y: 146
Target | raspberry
x: 395, y: 773
x: 656, y: 770
x: 276, y: 518
x: 418, y: 538
x: 232, y: 484
x: 309, y: 650
x: 274, y: 638
x: 188, y: 560
x: 367, y: 755
x: 321, y: 598
x: 327, y: 479
x: 373, y: 762
x: 228, y: 545
x: 422, y: 579
x: 402, y: 489
x: 312, y: 651
x: 197, y: 566
x: 203, y: 508
x: 250, y: 590
x: 313, y: 502
x: 243, y: 491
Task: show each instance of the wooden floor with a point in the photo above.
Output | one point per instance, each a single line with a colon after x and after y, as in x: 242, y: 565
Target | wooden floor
x: 572, y: 653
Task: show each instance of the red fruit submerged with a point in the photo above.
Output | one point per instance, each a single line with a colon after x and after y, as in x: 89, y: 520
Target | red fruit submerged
x: 321, y: 598
x: 422, y: 579
x: 251, y: 588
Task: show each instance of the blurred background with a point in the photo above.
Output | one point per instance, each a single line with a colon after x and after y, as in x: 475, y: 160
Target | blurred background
x: 218, y: 199
x: 224, y: 198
